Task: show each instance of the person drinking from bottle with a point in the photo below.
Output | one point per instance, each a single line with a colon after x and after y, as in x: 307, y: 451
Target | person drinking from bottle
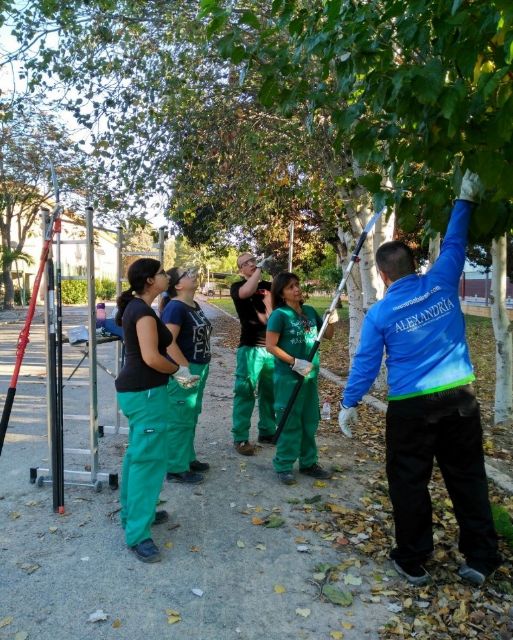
x: 292, y: 330
x: 190, y: 349
x: 143, y: 397
x: 432, y: 410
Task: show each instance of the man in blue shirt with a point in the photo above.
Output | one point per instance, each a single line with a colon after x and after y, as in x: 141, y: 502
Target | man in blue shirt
x: 432, y: 410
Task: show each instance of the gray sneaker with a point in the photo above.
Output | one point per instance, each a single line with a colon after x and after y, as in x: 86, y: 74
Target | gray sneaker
x: 471, y: 575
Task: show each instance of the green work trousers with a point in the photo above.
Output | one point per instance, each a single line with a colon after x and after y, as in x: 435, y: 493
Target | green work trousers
x: 185, y: 408
x: 253, y: 376
x: 297, y: 440
x: 144, y: 464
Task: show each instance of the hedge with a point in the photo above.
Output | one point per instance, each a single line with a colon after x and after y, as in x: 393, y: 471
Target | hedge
x: 75, y: 291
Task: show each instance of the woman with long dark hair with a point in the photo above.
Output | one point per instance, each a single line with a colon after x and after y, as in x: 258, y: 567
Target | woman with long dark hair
x: 142, y: 395
x: 292, y: 330
x: 190, y: 348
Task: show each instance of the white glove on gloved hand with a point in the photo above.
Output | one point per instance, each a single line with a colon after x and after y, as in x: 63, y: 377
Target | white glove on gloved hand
x: 262, y: 262
x: 185, y: 378
x: 346, y: 417
x: 333, y: 316
x: 470, y: 187
x: 303, y: 367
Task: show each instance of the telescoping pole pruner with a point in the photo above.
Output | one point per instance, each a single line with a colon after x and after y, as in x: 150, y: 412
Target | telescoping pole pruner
x: 322, y: 330
x: 23, y: 338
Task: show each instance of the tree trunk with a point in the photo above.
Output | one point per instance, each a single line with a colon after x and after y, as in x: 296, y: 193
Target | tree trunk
x: 502, y: 329
x: 8, y: 286
x: 354, y: 291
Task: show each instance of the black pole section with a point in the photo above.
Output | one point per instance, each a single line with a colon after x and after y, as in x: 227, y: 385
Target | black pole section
x: 52, y: 382
x: 322, y: 330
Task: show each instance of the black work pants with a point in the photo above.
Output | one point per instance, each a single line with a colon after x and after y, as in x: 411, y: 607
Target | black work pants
x: 445, y: 426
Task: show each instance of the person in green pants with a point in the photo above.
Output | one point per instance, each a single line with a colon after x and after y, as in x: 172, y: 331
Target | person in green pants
x: 292, y: 329
x: 142, y: 395
x: 255, y: 366
x: 190, y: 349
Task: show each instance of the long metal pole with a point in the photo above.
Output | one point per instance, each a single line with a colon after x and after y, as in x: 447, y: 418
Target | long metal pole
x: 291, y: 245
x: 58, y: 441
x: 322, y: 330
x: 23, y: 337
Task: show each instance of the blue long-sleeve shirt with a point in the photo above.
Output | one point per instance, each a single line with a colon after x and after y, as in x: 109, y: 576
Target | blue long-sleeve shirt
x: 420, y: 324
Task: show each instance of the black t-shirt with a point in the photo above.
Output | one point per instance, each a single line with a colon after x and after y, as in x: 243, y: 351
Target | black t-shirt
x: 136, y: 375
x: 195, y: 329
x: 252, y: 331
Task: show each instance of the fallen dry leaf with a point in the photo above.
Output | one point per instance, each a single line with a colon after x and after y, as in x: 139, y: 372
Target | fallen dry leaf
x: 279, y: 588
x: 116, y: 624
x: 173, y: 616
x: 303, y: 612
x: 257, y: 521
x: 5, y: 621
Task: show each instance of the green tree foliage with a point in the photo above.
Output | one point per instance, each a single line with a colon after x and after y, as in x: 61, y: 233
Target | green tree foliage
x: 408, y: 86
x: 29, y: 138
x: 176, y: 124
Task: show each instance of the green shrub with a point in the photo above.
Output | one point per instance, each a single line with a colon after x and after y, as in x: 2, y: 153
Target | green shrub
x: 105, y: 289
x: 74, y: 291
x: 503, y: 523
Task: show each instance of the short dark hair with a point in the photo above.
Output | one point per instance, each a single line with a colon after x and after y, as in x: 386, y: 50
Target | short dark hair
x: 395, y: 259
x: 279, y: 283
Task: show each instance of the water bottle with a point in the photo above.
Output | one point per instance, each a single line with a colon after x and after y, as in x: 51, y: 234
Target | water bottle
x: 326, y: 411
x: 101, y: 315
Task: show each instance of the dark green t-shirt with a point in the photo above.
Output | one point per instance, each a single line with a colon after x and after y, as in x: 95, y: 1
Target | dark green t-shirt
x: 297, y: 334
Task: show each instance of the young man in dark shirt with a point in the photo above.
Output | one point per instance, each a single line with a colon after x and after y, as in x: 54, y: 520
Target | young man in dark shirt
x: 255, y: 365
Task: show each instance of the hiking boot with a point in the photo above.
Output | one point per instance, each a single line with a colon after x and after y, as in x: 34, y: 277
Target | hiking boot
x: 161, y: 517
x: 196, y: 465
x: 414, y: 573
x: 286, y: 477
x: 266, y: 439
x: 471, y: 575
x: 316, y: 471
x: 146, y: 551
x: 245, y: 448
x: 188, y: 477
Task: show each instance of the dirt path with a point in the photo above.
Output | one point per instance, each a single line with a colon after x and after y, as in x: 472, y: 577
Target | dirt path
x: 57, y: 570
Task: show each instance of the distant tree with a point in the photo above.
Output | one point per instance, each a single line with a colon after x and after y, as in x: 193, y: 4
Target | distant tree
x: 29, y: 138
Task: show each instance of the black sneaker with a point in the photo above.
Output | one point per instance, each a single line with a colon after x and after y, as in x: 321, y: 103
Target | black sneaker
x: 316, y: 471
x: 414, y: 573
x: 266, y: 439
x: 196, y: 465
x: 286, y: 477
x: 188, y: 477
x: 146, y: 551
x: 161, y: 517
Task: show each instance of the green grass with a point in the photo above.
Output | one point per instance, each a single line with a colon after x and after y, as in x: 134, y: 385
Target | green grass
x: 319, y: 303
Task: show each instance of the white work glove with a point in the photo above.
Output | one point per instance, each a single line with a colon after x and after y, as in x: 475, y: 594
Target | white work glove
x: 470, y: 187
x: 262, y: 262
x: 303, y: 367
x: 333, y: 316
x: 185, y: 378
x: 346, y: 417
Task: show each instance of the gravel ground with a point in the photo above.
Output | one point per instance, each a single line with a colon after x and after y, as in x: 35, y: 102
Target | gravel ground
x: 58, y: 570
